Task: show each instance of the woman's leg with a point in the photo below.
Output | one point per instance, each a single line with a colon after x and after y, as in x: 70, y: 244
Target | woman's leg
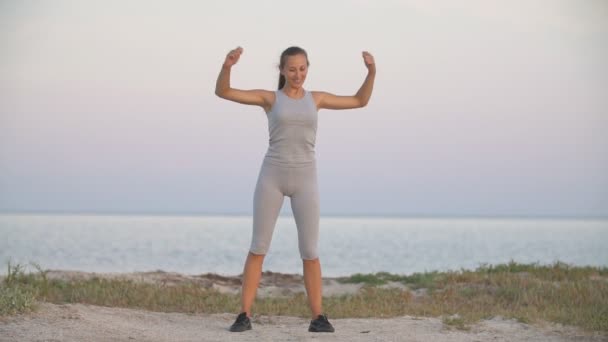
x: 251, y: 280
x: 305, y: 207
x: 267, y: 202
x: 313, y: 283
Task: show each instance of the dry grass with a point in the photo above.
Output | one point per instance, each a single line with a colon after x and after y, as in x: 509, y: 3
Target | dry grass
x: 559, y: 293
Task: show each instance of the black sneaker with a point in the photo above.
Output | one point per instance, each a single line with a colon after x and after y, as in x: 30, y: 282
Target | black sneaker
x: 321, y: 324
x: 242, y: 323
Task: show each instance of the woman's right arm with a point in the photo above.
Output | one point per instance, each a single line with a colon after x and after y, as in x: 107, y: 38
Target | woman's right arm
x: 258, y: 97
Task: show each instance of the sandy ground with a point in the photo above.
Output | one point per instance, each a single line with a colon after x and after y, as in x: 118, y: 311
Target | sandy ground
x: 78, y: 322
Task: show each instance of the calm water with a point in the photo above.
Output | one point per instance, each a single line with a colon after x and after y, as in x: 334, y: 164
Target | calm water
x: 201, y: 244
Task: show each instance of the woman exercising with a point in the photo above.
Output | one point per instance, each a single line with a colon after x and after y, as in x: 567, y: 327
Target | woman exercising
x: 288, y: 169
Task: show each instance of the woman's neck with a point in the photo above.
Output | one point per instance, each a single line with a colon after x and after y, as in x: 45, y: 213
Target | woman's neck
x: 295, y: 93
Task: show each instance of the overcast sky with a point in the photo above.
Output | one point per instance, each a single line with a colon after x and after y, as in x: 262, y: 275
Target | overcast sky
x: 480, y: 108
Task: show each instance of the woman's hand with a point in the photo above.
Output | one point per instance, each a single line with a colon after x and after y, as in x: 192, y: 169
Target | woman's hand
x: 232, y: 57
x: 360, y: 99
x: 368, y: 59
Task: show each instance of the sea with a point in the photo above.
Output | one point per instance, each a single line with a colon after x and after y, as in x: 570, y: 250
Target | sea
x: 347, y: 245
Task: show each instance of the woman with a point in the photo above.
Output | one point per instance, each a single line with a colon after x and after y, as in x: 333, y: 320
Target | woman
x: 288, y: 169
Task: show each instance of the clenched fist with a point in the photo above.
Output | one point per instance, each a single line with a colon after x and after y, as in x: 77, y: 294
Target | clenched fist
x: 233, y: 56
x: 368, y: 59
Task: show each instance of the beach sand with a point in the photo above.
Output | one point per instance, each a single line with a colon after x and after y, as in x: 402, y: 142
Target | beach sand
x: 80, y: 322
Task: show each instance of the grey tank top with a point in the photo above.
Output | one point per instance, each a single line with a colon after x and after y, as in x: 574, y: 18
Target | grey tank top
x: 292, y: 127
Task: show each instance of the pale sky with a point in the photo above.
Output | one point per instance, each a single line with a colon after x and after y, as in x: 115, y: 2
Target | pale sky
x: 480, y: 108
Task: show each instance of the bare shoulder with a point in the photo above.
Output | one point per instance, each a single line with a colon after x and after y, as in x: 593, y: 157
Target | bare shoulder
x: 267, y: 95
x: 318, y: 96
x: 259, y: 97
x: 269, y: 98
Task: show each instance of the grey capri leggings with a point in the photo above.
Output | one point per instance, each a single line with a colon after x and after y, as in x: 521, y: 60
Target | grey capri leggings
x: 274, y: 183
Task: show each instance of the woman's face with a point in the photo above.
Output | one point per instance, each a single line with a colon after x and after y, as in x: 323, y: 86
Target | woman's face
x: 295, y: 70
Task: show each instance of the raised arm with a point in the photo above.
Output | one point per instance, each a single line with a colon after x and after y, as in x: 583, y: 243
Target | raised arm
x: 258, y: 97
x: 360, y: 99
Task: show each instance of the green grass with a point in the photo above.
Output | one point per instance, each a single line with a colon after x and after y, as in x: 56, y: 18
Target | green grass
x: 529, y: 293
x: 455, y: 321
x: 414, y: 281
x: 16, y: 296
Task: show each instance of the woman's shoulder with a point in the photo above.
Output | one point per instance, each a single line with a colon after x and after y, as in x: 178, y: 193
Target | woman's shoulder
x: 317, y: 96
x: 270, y: 98
x: 268, y: 95
x: 264, y: 91
x: 317, y: 93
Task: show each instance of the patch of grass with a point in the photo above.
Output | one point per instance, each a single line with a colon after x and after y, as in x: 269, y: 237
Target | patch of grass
x: 428, y: 280
x: 529, y: 293
x: 558, y: 271
x: 456, y: 321
x: 414, y: 281
x: 15, y: 298
x: 156, y: 297
x: 359, y: 278
x: 370, y: 302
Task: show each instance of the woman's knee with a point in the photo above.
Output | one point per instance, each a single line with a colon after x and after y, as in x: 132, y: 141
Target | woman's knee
x: 311, y: 261
x: 259, y: 246
x: 257, y: 252
x: 253, y: 258
x: 309, y: 253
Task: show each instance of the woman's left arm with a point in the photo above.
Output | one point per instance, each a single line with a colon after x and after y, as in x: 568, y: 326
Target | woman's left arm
x: 360, y: 99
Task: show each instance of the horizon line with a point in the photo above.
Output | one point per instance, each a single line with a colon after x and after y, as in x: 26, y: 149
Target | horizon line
x: 327, y: 215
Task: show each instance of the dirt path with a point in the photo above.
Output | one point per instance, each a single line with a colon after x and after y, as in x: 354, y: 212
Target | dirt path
x: 78, y: 322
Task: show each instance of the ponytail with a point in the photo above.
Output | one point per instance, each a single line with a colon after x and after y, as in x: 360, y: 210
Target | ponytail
x: 281, y: 81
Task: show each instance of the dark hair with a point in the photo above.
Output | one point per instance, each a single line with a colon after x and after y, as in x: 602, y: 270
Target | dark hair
x: 290, y: 51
